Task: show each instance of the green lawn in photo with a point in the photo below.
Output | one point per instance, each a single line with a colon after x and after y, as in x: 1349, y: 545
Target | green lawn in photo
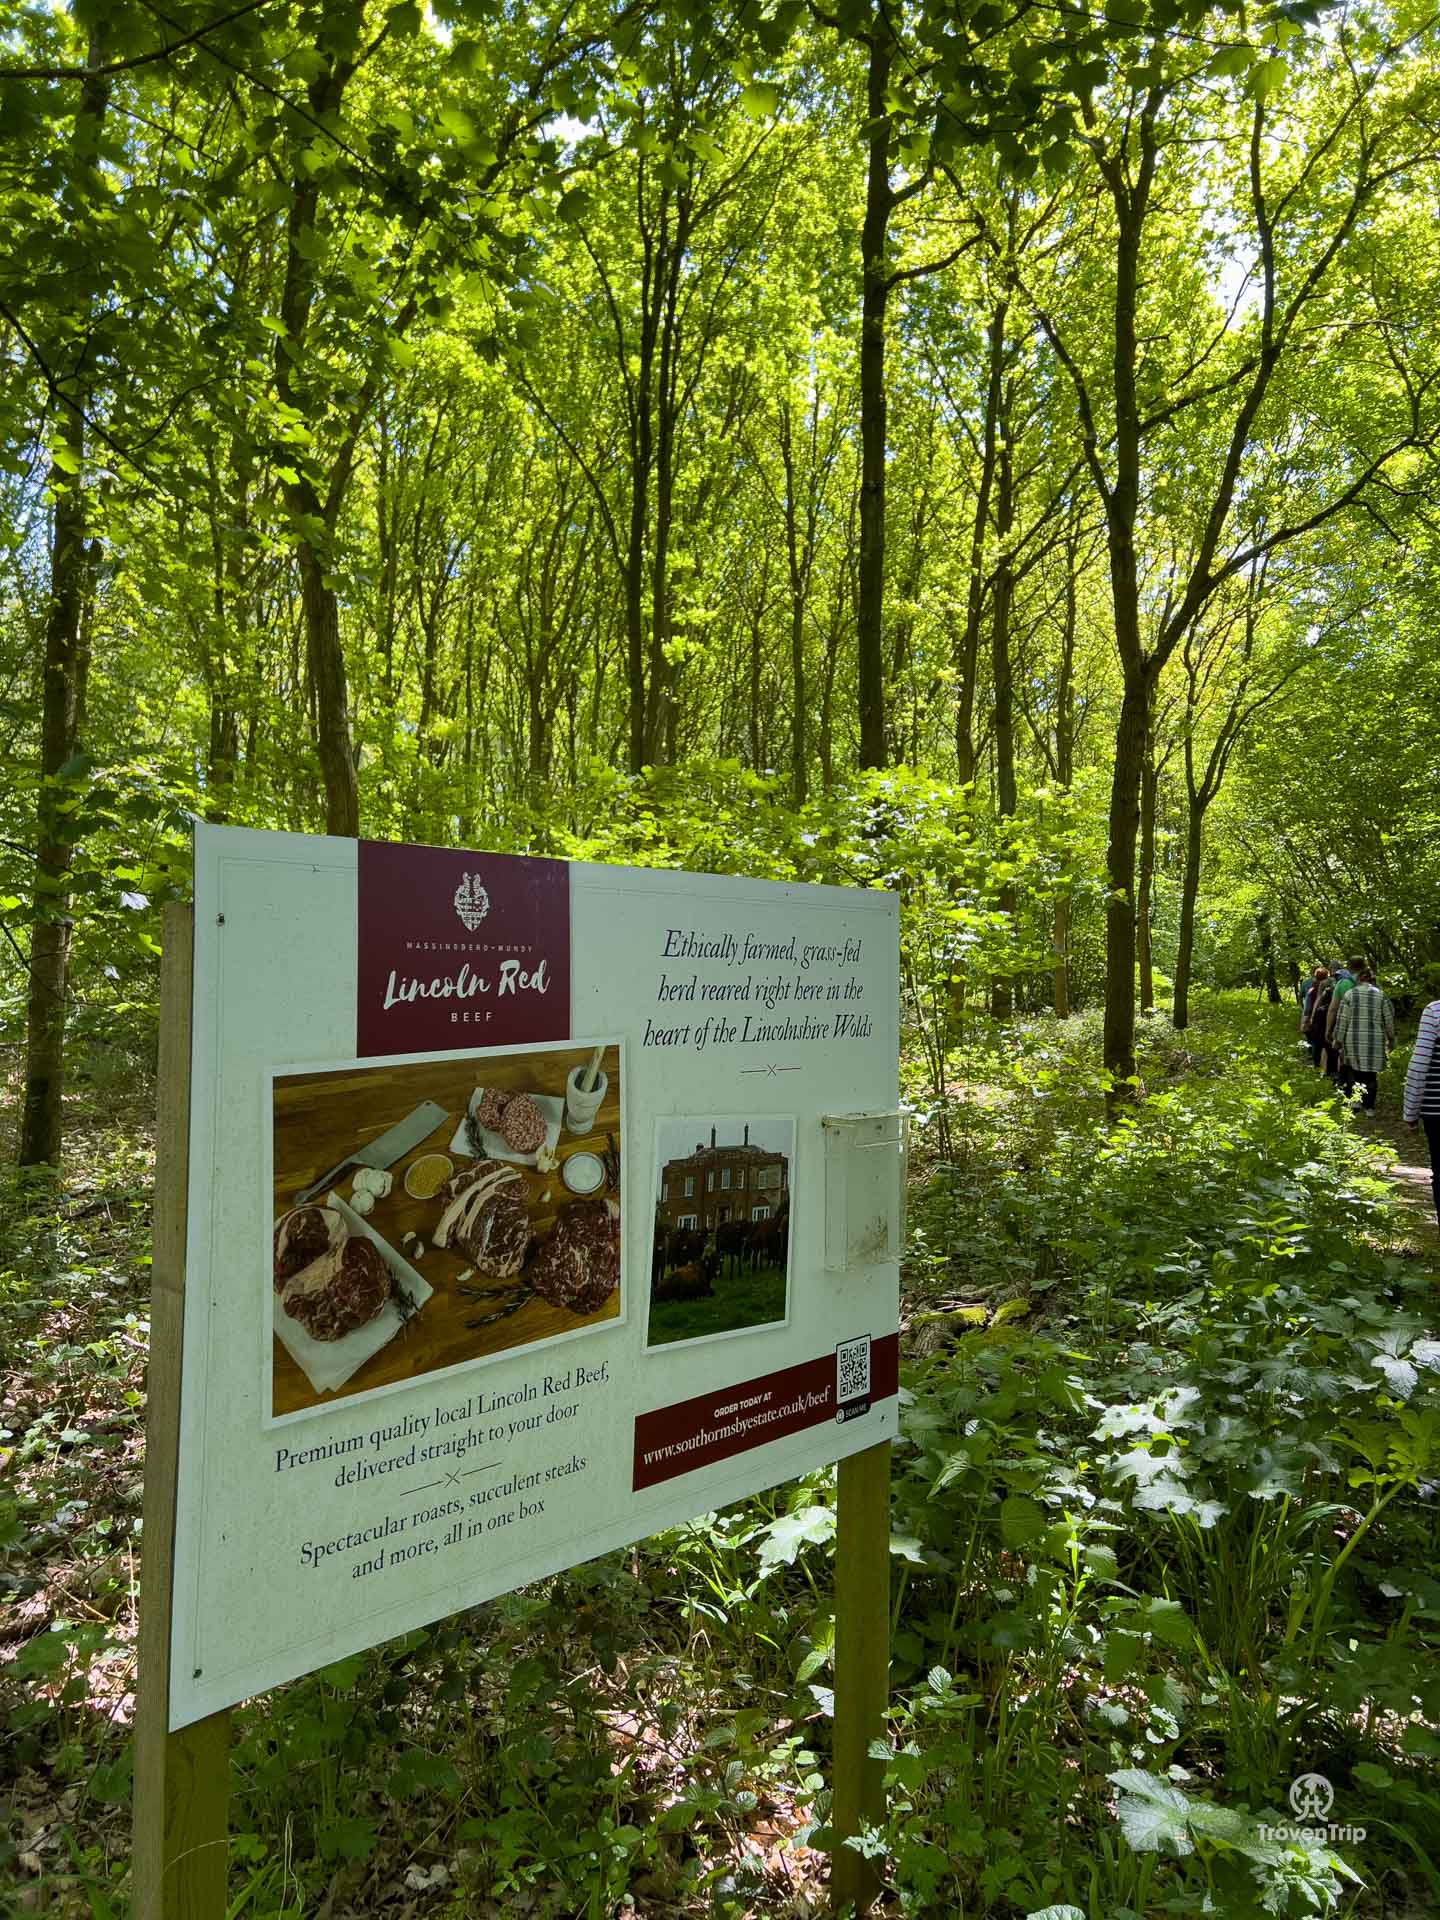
x: 749, y: 1300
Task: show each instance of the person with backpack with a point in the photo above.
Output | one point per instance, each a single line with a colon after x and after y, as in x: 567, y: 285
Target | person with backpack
x: 1422, y: 1083
x: 1320, y: 1007
x: 1313, y: 1032
x: 1364, y: 1034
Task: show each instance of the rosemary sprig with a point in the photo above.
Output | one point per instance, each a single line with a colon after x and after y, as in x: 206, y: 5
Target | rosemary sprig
x: 406, y: 1305
x: 503, y: 1313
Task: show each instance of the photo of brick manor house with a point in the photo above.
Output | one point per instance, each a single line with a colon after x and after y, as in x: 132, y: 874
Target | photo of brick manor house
x: 724, y: 1181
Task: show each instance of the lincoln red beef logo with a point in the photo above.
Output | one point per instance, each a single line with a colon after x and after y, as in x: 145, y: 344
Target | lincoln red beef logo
x: 460, y: 949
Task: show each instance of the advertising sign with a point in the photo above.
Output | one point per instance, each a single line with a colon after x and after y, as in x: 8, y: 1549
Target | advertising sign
x: 512, y: 1226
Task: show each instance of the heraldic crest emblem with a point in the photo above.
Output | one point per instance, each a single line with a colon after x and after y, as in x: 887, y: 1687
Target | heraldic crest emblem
x: 472, y: 902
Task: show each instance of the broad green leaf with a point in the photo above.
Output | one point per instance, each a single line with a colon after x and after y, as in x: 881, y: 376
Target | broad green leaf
x: 1021, y: 1520
x: 1153, y: 1815
x: 760, y: 100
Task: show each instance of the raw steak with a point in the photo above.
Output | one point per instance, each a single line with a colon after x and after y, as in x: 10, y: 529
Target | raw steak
x: 522, y: 1127
x: 578, y: 1267
x: 302, y: 1236
x: 486, y: 1216
x: 342, y: 1290
x: 491, y: 1108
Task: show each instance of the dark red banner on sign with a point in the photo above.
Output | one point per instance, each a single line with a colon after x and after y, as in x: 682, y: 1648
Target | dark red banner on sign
x: 713, y: 1426
x: 460, y: 949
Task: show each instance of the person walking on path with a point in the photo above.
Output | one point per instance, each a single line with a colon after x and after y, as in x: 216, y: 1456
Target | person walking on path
x: 1343, y: 974
x: 1313, y: 1030
x: 1364, y: 1033
x: 1422, y: 1084
x: 1320, y: 1024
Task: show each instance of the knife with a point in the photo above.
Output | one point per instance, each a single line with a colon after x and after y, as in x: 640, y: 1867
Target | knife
x: 385, y: 1149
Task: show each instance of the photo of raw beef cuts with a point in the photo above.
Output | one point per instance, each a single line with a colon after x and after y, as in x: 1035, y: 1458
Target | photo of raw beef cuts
x: 486, y: 1216
x: 522, y: 1124
x: 578, y: 1266
x: 433, y: 1214
x: 302, y: 1236
x: 342, y: 1290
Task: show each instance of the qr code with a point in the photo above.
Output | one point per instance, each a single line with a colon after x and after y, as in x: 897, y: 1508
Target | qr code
x: 852, y: 1370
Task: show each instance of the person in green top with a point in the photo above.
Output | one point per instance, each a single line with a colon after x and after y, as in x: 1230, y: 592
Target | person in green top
x: 1344, y: 983
x: 1344, y: 980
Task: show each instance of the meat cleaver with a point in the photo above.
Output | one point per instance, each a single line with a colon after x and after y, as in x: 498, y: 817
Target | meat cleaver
x: 385, y: 1149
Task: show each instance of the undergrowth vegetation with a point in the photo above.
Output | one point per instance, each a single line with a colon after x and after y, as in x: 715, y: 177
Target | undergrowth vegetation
x: 1165, y: 1541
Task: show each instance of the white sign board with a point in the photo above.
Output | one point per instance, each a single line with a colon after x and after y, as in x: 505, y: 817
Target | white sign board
x: 514, y: 1232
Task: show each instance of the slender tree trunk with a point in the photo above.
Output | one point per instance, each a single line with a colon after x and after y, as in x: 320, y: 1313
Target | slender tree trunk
x: 1002, y: 682
x: 1189, y: 894
x: 1267, y: 956
x: 1144, y: 944
x: 1062, y: 956
x: 62, y: 697
x: 1065, y: 757
x: 799, y: 583
x: 325, y: 665
x: 312, y: 515
x: 659, y: 719
x: 1124, y: 823
x: 1122, y: 507
x: 966, y: 666
x: 875, y: 294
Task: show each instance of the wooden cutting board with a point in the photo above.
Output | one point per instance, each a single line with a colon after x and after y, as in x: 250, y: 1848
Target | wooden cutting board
x: 320, y: 1117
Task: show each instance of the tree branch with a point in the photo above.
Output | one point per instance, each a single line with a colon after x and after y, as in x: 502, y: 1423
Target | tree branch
x: 136, y: 59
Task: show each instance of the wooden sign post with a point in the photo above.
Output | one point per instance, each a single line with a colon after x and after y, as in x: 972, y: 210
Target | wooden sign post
x: 862, y: 1669
x: 182, y: 1780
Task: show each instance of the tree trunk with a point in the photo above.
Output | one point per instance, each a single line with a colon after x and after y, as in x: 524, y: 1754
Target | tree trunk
x: 1002, y: 682
x: 1062, y: 956
x: 875, y: 294
x: 313, y: 516
x: 1124, y: 822
x: 1267, y: 957
x: 1065, y: 757
x: 1122, y: 505
x: 325, y: 666
x: 659, y: 717
x: 1144, y: 945
x: 62, y: 700
x: 799, y: 584
x: 1189, y: 894
x: 967, y: 663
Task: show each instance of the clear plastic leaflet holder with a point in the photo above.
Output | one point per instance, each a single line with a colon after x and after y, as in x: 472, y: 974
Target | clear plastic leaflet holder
x: 865, y: 1163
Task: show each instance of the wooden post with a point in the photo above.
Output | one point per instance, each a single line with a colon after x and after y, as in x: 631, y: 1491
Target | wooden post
x: 862, y: 1668
x: 182, y: 1780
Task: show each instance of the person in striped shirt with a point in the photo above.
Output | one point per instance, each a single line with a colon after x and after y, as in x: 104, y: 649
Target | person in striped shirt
x: 1422, y: 1084
x: 1364, y: 1033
